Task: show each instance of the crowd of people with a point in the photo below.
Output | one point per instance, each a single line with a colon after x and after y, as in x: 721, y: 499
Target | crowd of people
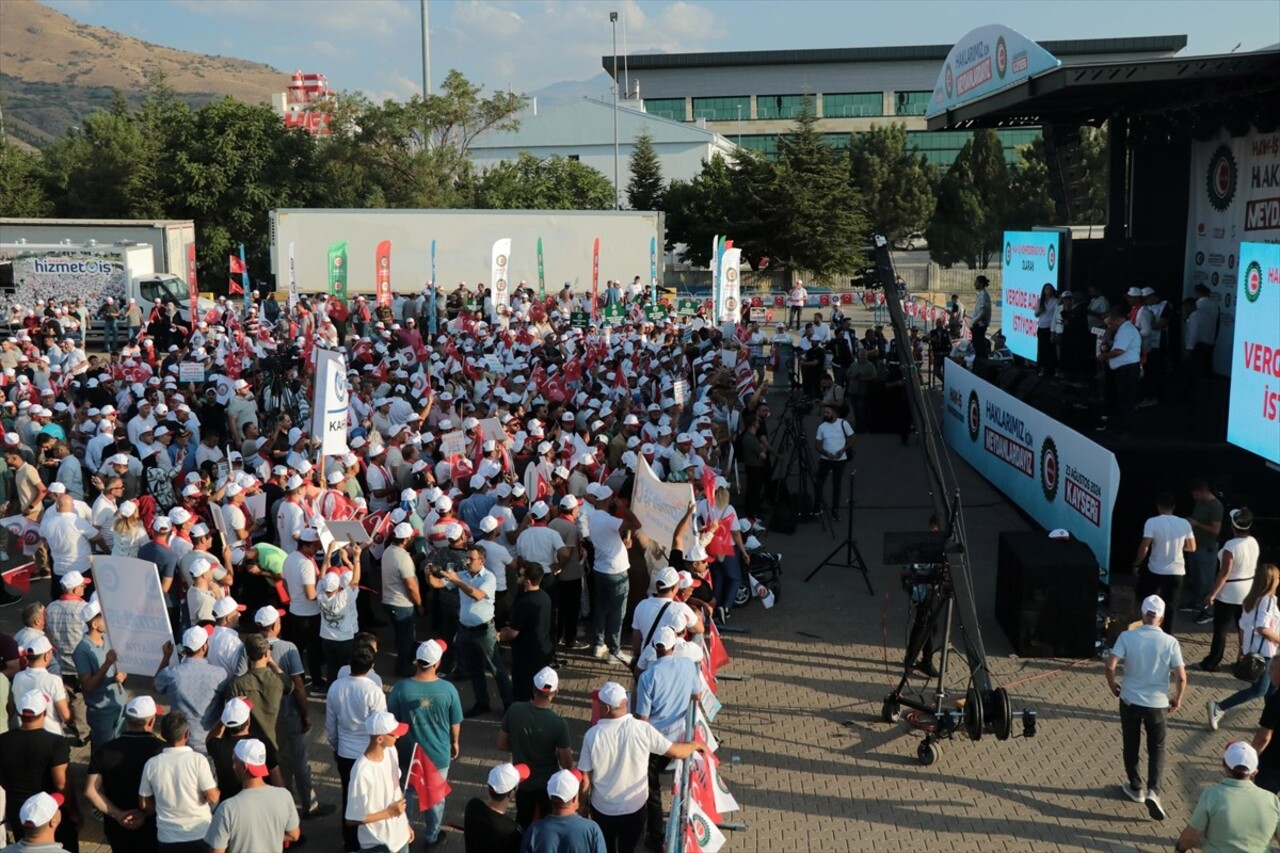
x: 490, y: 466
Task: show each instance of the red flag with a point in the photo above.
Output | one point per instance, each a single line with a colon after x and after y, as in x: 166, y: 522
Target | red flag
x: 426, y: 781
x: 234, y: 289
x: 20, y: 578
x: 709, y: 486
x: 237, y: 266
x: 702, y: 786
x: 716, y: 655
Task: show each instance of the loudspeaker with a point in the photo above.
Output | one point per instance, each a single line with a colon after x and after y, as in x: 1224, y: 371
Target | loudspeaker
x: 1046, y: 595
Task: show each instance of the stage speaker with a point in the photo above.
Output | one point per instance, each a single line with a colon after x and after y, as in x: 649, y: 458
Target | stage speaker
x: 1046, y: 595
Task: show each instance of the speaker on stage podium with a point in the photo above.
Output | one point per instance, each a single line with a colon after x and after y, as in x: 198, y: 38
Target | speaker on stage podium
x: 1047, y: 595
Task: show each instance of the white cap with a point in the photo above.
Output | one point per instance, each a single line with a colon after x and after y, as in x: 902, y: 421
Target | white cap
x: 253, y: 755
x: 235, y: 712
x: 666, y: 638
x: 384, y: 723
x: 33, y: 703
x: 568, y: 502
x: 309, y: 534
x: 56, y: 488
x: 564, y: 785
x: 1153, y: 604
x: 488, y: 524
x: 505, y: 777
x: 667, y: 578
x: 540, y: 509
x: 73, y: 579
x: 199, y: 531
x: 546, y: 679
x: 404, y: 530
x: 190, y: 490
x: 194, y: 639
x: 178, y: 515
x: 141, y: 708
x: 199, y: 566
x: 267, y: 616
x: 331, y: 582
x: 612, y: 694
x: 431, y: 652
x: 38, y: 645
x: 294, y: 482
x: 232, y: 490
x: 225, y: 606
x: 90, y: 611
x: 161, y: 524
x: 453, y: 531
x: 38, y: 810
x: 1240, y: 755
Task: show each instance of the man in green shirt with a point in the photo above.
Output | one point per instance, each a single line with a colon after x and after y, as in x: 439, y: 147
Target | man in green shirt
x: 1202, y: 564
x: 433, y: 710
x: 264, y: 684
x: 536, y: 736
x: 1234, y: 814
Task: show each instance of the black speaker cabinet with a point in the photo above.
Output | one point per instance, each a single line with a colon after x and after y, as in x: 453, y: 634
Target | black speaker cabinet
x: 1046, y: 595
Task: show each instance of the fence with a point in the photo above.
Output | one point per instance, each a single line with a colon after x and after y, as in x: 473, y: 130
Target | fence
x: 673, y: 837
x: 922, y: 281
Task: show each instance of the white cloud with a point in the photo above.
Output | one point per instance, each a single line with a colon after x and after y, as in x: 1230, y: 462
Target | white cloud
x: 378, y: 18
x: 328, y: 49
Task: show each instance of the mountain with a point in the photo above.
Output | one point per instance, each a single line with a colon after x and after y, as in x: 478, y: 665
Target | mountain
x: 55, y: 71
x: 567, y: 91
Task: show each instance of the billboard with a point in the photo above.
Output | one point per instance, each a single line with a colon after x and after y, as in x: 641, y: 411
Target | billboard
x: 1031, y: 260
x: 986, y: 60
x: 1053, y: 473
x: 1254, y: 419
x: 1235, y: 197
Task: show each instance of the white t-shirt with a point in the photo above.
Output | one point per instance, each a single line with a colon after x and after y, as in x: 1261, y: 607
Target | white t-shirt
x: 299, y: 570
x: 348, y: 704
x: 374, y: 786
x: 611, y: 554
x: 39, y: 678
x: 833, y: 436
x: 69, y: 549
x: 1169, y: 536
x: 496, y: 560
x: 1244, y: 562
x: 290, y: 519
x: 177, y: 778
x: 538, y: 544
x: 1265, y: 615
x: 226, y: 649
x: 338, y: 611
x: 647, y: 612
x: 1128, y: 339
x: 616, y: 753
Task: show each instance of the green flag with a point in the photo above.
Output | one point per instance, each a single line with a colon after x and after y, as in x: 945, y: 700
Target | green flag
x: 542, y: 274
x: 338, y: 270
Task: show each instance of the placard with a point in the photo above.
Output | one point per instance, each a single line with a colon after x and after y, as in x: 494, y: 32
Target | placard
x: 24, y: 531
x: 493, y: 364
x: 491, y: 428
x: 614, y: 314
x: 757, y: 313
x: 579, y: 319
x: 655, y: 313
x: 453, y: 444
x: 680, y: 391
x: 257, y: 505
x: 134, y: 608
x: 190, y: 371
x: 344, y: 532
x: 1030, y: 261
x: 687, y: 307
x: 660, y: 506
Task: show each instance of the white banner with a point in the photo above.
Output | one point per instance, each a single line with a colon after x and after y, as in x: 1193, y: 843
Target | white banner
x: 135, y: 612
x: 660, y: 506
x: 501, y: 287
x: 1055, y: 474
x: 293, y: 278
x: 1235, y: 197
x: 730, y: 307
x: 453, y: 444
x: 329, y: 419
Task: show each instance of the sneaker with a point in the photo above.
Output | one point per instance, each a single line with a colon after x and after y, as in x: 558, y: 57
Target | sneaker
x: 1190, y: 608
x: 1154, y: 807
x: 1205, y: 617
x: 623, y: 657
x: 1138, y: 794
x: 1145, y: 404
x: 1215, y: 715
x: 600, y: 652
x: 320, y: 810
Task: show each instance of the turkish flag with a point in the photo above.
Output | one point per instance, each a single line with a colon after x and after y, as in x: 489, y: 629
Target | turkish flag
x: 20, y: 578
x: 236, y: 265
x: 702, y: 785
x: 426, y: 781
x: 716, y: 655
x: 234, y: 289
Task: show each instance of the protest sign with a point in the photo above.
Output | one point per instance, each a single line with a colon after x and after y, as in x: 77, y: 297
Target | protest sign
x: 757, y: 314
x: 655, y: 313
x: 491, y: 428
x: 220, y: 522
x: 614, y: 313
x: 190, y: 371
x: 579, y: 319
x: 680, y: 391
x: 344, y: 532
x: 453, y: 444
x: 660, y: 506
x: 135, y: 612
x: 687, y: 307
x: 257, y: 504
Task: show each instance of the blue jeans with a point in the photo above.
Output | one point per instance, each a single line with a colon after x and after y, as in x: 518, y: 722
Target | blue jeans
x: 611, y: 601
x: 432, y: 817
x: 105, y: 725
x: 726, y: 574
x: 402, y: 620
x: 1257, y: 690
x: 109, y: 331
x: 133, y: 333
x: 1201, y: 567
x: 478, y: 646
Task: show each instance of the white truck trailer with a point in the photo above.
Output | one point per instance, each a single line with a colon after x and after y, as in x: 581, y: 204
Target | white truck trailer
x: 168, y: 238
x: 464, y: 243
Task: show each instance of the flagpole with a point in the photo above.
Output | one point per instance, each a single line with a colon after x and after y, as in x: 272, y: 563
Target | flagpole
x: 244, y: 281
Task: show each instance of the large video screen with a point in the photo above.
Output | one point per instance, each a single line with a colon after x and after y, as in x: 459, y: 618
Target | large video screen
x: 1254, y: 420
x: 1031, y: 260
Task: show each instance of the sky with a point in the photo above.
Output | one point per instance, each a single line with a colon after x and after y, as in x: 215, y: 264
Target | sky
x: 374, y: 46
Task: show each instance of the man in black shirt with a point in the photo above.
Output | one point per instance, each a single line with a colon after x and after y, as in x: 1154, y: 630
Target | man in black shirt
x: 236, y: 724
x: 486, y: 826
x: 1265, y: 740
x: 114, y: 775
x: 529, y: 632
x: 34, y: 760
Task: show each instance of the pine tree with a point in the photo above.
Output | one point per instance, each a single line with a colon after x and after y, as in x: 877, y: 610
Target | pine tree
x: 645, y: 189
x: 896, y: 185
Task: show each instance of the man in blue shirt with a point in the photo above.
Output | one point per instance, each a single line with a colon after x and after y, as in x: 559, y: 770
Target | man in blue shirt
x: 477, y: 638
x: 194, y: 686
x: 1150, y: 658
x: 564, y: 829
x: 662, y: 698
x: 100, y: 679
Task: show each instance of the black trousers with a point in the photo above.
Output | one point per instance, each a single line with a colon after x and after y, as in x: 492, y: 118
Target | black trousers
x: 350, y: 839
x: 1126, y: 384
x: 304, y: 632
x: 655, y: 816
x: 622, y: 833
x: 981, y: 348
x: 532, y: 805
x: 835, y: 469
x: 1134, y: 719
x: 1168, y: 587
x: 1226, y: 619
x: 569, y: 606
x: 1046, y: 352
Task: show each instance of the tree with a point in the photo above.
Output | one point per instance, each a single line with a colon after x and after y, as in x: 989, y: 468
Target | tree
x: 896, y: 185
x: 95, y: 172
x: 554, y: 183
x: 815, y: 221
x: 1031, y: 203
x: 1097, y: 162
x: 698, y: 210
x: 973, y: 205
x: 645, y: 189
x: 21, y: 193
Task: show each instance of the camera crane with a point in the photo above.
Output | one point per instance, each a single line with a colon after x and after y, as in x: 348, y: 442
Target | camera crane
x: 945, y: 585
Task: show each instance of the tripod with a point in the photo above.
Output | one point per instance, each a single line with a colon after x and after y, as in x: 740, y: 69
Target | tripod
x: 852, y: 555
x: 799, y: 459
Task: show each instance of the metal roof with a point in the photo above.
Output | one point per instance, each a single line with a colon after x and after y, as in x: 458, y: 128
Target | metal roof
x: 1090, y: 92
x: 908, y: 53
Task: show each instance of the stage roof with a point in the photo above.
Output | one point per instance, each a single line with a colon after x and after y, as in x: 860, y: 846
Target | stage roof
x: 1090, y: 92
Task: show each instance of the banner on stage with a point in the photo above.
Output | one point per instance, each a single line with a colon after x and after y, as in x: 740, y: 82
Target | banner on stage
x: 1053, y: 473
x: 1254, y: 420
x: 1031, y: 260
x: 135, y: 612
x: 660, y: 506
x: 330, y: 420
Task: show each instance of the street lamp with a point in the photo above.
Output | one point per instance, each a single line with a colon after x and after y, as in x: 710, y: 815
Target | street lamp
x: 739, y: 125
x: 617, y: 194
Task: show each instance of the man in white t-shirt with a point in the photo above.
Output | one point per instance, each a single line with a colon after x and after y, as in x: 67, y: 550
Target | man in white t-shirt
x: 795, y: 304
x: 36, y: 676
x: 69, y: 537
x: 615, y: 765
x: 352, y: 699
x: 1123, y: 359
x: 178, y: 786
x: 1165, y: 537
x: 660, y: 609
x: 300, y: 578
x: 375, y: 798
x: 834, y: 442
x: 609, y: 572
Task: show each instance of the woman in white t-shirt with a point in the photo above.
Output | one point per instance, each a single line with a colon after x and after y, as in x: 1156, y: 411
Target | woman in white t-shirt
x: 1237, y: 562
x: 127, y: 533
x: 337, y: 600
x: 726, y: 549
x: 1259, y: 634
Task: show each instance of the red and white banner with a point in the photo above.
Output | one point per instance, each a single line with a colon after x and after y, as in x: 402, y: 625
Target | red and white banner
x: 382, y: 273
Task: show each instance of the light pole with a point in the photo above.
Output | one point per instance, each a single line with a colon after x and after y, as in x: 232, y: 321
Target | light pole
x: 617, y: 190
x: 739, y: 125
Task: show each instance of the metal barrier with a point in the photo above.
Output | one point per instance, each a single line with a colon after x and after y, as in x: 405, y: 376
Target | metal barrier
x: 673, y: 837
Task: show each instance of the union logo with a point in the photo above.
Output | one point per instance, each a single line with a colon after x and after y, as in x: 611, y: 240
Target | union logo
x: 1008, y: 254
x: 1049, y: 469
x: 1253, y: 281
x: 1002, y: 57
x: 975, y: 416
x: 1220, y: 182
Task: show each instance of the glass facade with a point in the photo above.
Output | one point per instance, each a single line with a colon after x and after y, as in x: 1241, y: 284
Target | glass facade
x: 722, y: 109
x: 672, y: 108
x: 782, y: 106
x: 853, y: 106
x: 766, y: 144
x: 941, y: 147
x: 911, y: 103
